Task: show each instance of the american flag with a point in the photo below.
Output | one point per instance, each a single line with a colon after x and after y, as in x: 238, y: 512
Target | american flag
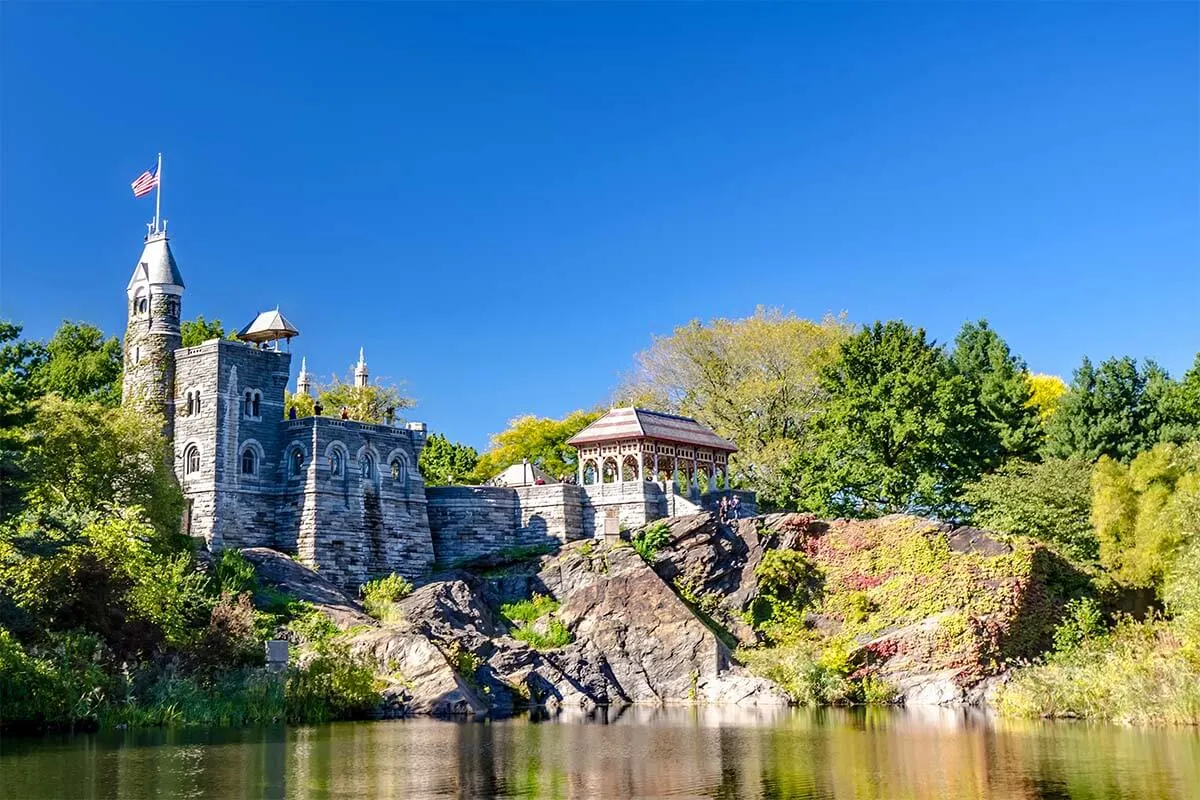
x: 145, y: 182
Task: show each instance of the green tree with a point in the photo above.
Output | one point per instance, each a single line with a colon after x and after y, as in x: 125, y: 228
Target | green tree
x: 1108, y: 411
x: 1176, y: 405
x: 539, y: 440
x: 81, y: 364
x: 199, y: 330
x: 1050, y: 500
x: 444, y: 462
x: 86, y: 457
x: 997, y: 380
x: 755, y: 381
x: 891, y: 435
x: 19, y: 360
x: 1144, y: 513
x: 364, y: 403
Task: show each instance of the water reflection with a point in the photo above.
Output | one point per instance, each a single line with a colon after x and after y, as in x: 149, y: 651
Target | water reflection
x: 634, y: 752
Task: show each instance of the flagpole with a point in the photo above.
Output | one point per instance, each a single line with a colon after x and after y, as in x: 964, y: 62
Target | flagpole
x: 158, y: 194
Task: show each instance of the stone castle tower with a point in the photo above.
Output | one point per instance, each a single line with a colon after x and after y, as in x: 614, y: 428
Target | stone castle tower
x: 155, y: 298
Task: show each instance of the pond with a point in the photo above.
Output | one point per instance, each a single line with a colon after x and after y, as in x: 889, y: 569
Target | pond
x: 636, y: 752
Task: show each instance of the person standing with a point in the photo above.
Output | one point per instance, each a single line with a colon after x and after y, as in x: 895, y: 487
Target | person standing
x: 723, y: 509
x: 735, y: 505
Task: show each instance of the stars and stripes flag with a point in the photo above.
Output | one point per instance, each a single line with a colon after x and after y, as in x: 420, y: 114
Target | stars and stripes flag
x: 145, y: 182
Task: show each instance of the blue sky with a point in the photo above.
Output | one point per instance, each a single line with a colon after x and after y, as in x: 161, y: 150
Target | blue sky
x: 503, y: 203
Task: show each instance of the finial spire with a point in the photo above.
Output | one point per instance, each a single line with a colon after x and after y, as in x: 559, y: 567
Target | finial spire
x: 303, y: 381
x: 360, y: 370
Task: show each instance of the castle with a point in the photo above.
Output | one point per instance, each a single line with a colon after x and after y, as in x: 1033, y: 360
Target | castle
x: 347, y: 496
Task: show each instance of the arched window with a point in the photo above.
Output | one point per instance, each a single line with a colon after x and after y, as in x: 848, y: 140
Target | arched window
x: 191, y: 460
x: 141, y: 304
x: 398, y: 472
x: 296, y: 462
x: 629, y: 469
x: 589, y: 472
x: 367, y: 466
x: 257, y: 404
x: 246, y: 405
x: 335, y: 464
x: 248, y: 459
x: 173, y: 307
x: 609, y: 472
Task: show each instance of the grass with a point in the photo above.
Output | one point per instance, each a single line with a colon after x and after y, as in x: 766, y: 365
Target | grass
x: 530, y: 610
x: 524, y: 616
x: 1136, y: 674
x: 555, y: 636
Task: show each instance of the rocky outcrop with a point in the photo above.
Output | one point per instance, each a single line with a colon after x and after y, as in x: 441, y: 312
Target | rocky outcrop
x: 933, y: 610
x: 283, y: 574
x: 451, y: 653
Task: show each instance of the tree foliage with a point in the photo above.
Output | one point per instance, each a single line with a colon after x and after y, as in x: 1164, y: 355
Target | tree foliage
x: 85, y: 456
x: 1049, y: 500
x: 996, y: 380
x: 81, y: 364
x: 1109, y: 411
x: 369, y: 403
x: 1045, y: 393
x: 898, y: 431
x: 199, y: 330
x: 753, y: 380
x: 1146, y: 511
x: 539, y: 440
x: 444, y: 462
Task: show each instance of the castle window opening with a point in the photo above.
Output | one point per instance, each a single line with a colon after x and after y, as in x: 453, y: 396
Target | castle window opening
x: 398, y: 470
x: 191, y: 460
x: 296, y: 461
x: 368, y: 466
x: 248, y: 461
x: 335, y: 464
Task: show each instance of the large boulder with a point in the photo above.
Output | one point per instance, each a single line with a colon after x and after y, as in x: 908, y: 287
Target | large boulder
x: 280, y: 572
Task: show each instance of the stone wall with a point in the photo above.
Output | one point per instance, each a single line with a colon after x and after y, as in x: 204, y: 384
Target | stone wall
x: 633, y: 504
x: 353, y: 499
x: 473, y: 521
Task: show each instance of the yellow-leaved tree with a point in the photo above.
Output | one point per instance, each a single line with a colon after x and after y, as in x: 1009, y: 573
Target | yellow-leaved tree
x: 753, y: 380
x: 1046, y: 391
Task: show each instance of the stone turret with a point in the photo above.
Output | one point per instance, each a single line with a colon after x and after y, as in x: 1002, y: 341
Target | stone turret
x: 155, y: 299
x: 360, y: 370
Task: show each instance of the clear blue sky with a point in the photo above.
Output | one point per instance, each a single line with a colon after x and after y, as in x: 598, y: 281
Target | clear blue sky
x: 503, y: 203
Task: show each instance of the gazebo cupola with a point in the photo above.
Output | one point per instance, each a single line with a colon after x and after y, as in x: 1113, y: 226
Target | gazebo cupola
x: 634, y: 444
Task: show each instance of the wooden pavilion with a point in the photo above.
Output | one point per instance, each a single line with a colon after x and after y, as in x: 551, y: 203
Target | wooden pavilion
x: 634, y: 444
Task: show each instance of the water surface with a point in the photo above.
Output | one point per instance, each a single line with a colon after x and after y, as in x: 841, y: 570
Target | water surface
x: 640, y: 752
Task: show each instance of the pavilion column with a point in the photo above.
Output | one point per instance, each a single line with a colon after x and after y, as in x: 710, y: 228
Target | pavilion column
x: 695, y: 473
x: 656, y: 463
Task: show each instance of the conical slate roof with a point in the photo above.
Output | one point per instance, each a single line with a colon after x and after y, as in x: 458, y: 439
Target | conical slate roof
x: 157, y: 264
x: 267, y: 327
x: 639, y: 423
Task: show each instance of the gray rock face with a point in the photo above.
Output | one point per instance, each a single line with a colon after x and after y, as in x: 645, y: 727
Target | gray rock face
x: 633, y: 639
x: 277, y: 570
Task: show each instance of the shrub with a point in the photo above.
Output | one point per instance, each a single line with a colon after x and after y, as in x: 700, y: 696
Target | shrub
x: 231, y: 639
x: 234, y: 573
x: 330, y: 683
x: 381, y: 595
x: 1083, y: 620
x: 651, y: 539
x: 524, y: 616
x: 788, y: 582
